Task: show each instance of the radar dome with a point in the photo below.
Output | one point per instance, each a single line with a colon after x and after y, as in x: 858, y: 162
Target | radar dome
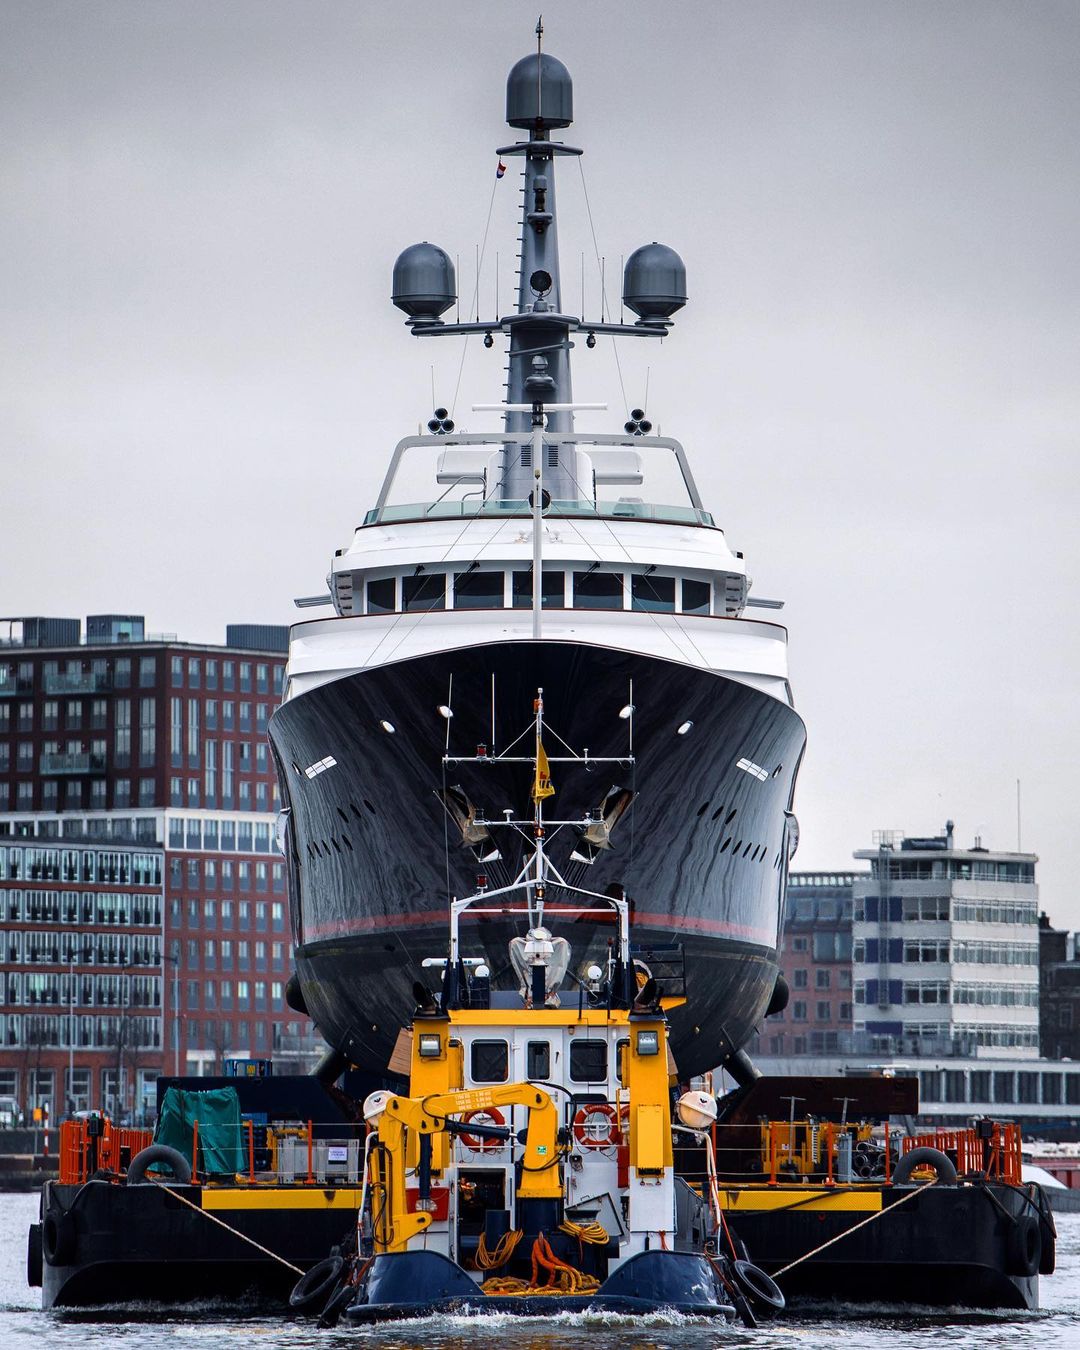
x: 556, y: 90
x: 654, y: 283
x: 424, y: 282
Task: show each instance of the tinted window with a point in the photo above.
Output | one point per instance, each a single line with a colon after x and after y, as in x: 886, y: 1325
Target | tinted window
x: 538, y: 1060
x: 380, y: 596
x: 427, y: 591
x: 598, y: 590
x: 695, y: 597
x: 478, y: 590
x: 588, y: 1061
x: 552, y: 586
x: 657, y: 593
x: 490, y: 1061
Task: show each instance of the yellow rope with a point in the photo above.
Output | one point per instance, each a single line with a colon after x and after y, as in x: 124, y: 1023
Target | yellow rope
x: 504, y: 1249
x: 595, y: 1233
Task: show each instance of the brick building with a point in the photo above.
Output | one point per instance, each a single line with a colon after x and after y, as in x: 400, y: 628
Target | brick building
x: 144, y: 903
x: 816, y: 962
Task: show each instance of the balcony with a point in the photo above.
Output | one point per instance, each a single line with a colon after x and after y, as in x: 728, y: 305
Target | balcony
x: 86, y: 682
x: 10, y: 685
x: 82, y: 763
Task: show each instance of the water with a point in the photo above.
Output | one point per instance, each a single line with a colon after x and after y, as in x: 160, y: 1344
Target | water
x: 23, y: 1324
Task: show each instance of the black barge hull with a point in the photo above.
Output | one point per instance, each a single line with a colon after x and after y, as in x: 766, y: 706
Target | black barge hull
x: 106, y: 1244
x: 969, y: 1246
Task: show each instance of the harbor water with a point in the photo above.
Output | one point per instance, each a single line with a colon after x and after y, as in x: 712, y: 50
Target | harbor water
x: 23, y: 1324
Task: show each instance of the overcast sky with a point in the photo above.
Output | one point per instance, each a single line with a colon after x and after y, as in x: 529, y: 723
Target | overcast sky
x: 201, y: 375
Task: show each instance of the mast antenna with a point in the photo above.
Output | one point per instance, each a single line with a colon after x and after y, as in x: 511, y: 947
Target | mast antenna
x: 539, y: 66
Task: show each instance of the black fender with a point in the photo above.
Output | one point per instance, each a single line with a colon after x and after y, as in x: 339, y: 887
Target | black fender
x: 34, y: 1256
x: 177, y: 1164
x: 58, y: 1238
x: 313, y: 1288
x: 1023, y: 1246
x: 761, y: 1289
x: 925, y: 1157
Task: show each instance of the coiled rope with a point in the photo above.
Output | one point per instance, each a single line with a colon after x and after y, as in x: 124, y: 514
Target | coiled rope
x: 561, y: 1278
x: 504, y: 1249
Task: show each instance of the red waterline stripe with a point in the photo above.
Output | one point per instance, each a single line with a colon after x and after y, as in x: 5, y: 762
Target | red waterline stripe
x: 433, y: 918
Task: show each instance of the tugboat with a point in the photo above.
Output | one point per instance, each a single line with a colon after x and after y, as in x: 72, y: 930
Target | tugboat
x: 584, y: 563
x: 530, y: 1167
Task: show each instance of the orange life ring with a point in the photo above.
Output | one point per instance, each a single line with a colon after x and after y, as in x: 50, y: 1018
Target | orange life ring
x: 586, y: 1134
x: 479, y: 1143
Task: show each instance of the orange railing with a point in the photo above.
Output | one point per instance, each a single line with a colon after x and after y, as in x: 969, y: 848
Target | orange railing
x: 996, y: 1152
x: 111, y: 1150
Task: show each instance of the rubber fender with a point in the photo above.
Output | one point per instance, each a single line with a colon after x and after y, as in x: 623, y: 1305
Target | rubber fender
x: 294, y: 995
x: 1048, y: 1244
x: 58, y: 1237
x: 33, y: 1256
x: 761, y: 1289
x: 177, y: 1164
x: 336, y: 1304
x: 925, y: 1157
x: 1023, y: 1246
x: 313, y: 1288
x: 780, y: 995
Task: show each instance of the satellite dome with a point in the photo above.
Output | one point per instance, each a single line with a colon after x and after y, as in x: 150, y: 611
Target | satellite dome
x: 654, y: 283
x: 424, y: 283
x: 556, y: 93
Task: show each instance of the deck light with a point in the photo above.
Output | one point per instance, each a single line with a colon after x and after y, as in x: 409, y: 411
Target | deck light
x: 648, y: 1043
x: 626, y: 711
x: 446, y: 711
x: 430, y: 1045
x: 682, y: 730
x: 388, y: 727
x: 594, y: 973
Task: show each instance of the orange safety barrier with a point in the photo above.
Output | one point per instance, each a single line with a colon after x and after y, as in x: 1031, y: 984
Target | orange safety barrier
x: 111, y: 1151
x: 998, y: 1156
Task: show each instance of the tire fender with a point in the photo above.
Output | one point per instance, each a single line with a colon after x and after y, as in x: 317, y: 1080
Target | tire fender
x: 761, y: 1289
x: 177, y: 1164
x: 924, y: 1157
x: 1023, y: 1246
x: 312, y: 1289
x: 58, y: 1237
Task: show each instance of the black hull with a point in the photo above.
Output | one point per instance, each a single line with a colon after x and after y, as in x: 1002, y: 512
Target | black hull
x: 951, y: 1246
x: 139, y: 1244
x: 700, y: 853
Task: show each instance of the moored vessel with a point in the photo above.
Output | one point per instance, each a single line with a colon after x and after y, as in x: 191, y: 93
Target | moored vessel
x: 585, y: 564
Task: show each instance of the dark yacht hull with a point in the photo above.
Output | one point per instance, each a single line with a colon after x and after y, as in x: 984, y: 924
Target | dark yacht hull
x: 374, y: 856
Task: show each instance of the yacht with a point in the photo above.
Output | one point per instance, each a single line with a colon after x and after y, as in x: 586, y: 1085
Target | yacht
x: 538, y: 614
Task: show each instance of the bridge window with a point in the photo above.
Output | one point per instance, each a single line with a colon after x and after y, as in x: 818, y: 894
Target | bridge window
x: 652, y: 593
x: 425, y: 592
x: 380, y: 596
x: 552, y: 589
x: 696, y: 596
x: 478, y: 590
x: 598, y: 590
x: 490, y: 1061
x: 588, y: 1061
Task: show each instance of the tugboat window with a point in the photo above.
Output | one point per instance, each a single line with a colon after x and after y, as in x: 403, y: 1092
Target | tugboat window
x: 552, y: 589
x: 490, y: 1061
x: 653, y: 593
x: 598, y: 590
x: 588, y: 1061
x: 478, y: 590
x: 695, y: 597
x: 537, y: 1060
x: 380, y: 596
x: 427, y: 591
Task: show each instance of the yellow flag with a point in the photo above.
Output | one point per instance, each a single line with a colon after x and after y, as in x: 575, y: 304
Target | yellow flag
x: 542, y: 786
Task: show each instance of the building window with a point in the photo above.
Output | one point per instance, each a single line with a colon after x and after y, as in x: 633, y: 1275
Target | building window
x: 801, y: 979
x: 176, y: 671
x: 147, y: 732
x: 798, y: 1011
x: 147, y: 672
x: 824, y: 1012
x: 821, y: 979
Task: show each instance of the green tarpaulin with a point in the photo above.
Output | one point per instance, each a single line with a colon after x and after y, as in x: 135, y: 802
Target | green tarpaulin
x: 218, y: 1114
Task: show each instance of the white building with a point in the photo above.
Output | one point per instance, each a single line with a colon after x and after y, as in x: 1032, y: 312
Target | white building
x: 946, y: 949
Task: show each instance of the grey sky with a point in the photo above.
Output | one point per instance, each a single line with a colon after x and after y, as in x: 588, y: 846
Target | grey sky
x: 201, y: 375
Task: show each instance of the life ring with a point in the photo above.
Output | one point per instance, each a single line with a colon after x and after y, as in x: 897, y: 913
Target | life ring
x: 58, y: 1237
x: 586, y: 1133
x: 1023, y: 1246
x: 761, y: 1289
x: 312, y: 1289
x: 925, y: 1157
x: 480, y: 1143
x: 177, y: 1164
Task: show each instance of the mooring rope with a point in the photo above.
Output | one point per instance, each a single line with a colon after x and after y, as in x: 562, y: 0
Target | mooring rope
x: 229, y: 1228
x: 853, y: 1229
